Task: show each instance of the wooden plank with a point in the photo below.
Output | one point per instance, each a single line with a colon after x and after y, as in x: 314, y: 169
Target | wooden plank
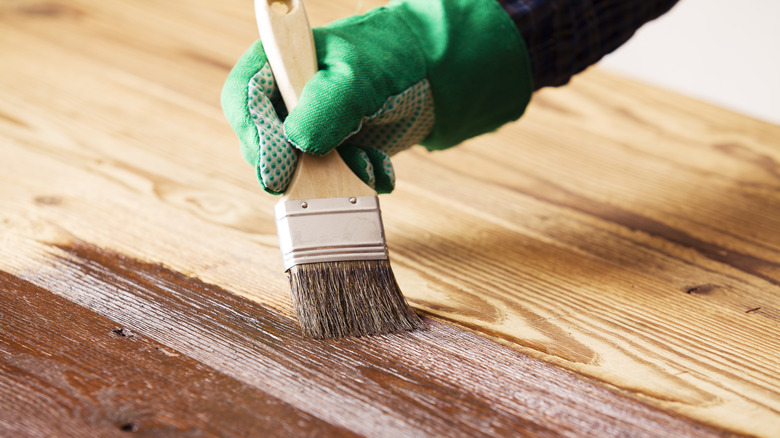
x: 620, y: 232
x: 648, y: 260
x: 434, y: 383
x: 66, y: 371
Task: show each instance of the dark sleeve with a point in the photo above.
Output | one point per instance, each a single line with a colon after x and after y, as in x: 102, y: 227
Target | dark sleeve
x: 566, y: 36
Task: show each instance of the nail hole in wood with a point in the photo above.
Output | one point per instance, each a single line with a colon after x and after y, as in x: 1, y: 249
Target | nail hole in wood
x: 703, y: 289
x: 123, y: 332
x: 129, y: 427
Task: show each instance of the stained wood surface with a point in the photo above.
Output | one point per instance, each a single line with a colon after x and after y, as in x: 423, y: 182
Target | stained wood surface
x: 608, y: 265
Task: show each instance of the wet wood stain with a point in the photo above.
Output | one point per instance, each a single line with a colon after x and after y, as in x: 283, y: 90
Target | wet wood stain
x: 67, y: 371
x: 150, y: 349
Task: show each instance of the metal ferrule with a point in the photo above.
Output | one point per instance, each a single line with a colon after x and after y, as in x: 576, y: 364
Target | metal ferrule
x: 330, y: 230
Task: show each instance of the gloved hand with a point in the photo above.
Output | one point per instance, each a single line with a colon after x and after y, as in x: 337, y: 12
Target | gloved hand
x: 435, y: 72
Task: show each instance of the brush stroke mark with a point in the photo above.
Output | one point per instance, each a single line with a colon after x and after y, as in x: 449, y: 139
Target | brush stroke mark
x: 67, y: 371
x: 441, y: 382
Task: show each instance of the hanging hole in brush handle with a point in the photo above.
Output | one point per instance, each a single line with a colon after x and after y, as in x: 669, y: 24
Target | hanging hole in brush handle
x: 281, y: 7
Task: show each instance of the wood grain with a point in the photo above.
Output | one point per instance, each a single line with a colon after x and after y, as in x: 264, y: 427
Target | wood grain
x: 610, y: 264
x: 432, y: 383
x: 66, y: 371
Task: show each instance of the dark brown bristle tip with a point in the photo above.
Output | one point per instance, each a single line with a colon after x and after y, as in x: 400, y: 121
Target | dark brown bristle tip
x: 339, y: 299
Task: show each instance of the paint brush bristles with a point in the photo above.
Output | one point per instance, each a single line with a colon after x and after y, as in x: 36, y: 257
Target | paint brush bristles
x: 356, y: 298
x: 335, y: 253
x: 329, y: 223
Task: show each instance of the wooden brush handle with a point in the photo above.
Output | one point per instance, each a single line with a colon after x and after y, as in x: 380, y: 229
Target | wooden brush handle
x: 289, y: 46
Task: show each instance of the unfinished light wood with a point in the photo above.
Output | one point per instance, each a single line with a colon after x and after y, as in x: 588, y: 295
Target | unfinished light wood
x: 625, y: 234
x: 289, y: 46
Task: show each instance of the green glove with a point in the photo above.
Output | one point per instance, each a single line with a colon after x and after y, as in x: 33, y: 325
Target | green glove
x: 435, y: 72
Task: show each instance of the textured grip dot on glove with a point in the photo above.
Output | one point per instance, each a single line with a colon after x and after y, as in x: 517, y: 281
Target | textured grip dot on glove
x: 277, y: 158
x: 405, y: 119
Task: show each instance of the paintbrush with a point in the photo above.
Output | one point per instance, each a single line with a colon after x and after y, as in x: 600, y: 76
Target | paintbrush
x: 329, y: 222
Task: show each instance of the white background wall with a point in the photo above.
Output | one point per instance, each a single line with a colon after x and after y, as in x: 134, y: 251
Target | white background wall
x: 725, y: 52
